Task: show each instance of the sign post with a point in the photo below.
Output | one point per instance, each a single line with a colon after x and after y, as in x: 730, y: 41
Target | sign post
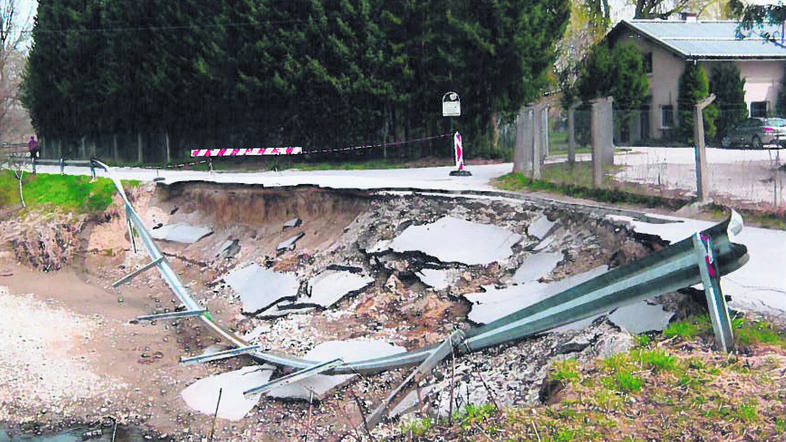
x: 451, y: 107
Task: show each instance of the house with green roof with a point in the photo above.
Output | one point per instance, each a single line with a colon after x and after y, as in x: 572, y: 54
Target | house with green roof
x: 668, y: 45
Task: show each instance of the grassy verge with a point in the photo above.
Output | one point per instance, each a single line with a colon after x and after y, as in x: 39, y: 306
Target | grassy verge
x: 669, y: 387
x: 576, y: 181
x: 67, y: 193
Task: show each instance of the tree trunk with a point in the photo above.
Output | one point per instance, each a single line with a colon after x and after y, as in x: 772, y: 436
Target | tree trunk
x: 494, y: 130
x: 168, y: 157
x: 140, y: 157
x: 114, y: 148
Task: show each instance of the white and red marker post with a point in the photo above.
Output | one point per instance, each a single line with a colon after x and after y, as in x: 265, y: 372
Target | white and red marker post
x: 459, y: 154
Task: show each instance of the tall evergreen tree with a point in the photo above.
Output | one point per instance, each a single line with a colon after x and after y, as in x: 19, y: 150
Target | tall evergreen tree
x: 729, y: 89
x: 310, y: 72
x: 694, y: 87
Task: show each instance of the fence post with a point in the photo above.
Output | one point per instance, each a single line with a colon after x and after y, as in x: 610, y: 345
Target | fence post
x: 523, y: 149
x: 602, y: 129
x: 702, y: 180
x: 537, y: 140
x: 572, y: 133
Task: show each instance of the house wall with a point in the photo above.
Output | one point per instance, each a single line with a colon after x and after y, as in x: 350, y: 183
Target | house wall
x: 663, y: 83
x: 762, y: 81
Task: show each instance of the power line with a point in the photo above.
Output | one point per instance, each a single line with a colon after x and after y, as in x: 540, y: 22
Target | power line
x: 169, y: 28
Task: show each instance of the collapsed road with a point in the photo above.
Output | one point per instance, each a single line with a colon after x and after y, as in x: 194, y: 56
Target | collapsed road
x: 399, y: 274
x: 668, y: 270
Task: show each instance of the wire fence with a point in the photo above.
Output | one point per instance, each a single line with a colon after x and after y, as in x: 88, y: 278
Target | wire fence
x: 745, y: 155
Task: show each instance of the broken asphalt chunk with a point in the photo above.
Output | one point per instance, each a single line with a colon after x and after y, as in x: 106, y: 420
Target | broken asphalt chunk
x: 259, y: 288
x: 455, y: 240
x: 290, y: 243
x: 348, y: 351
x: 329, y: 287
x: 202, y: 395
x: 182, y: 233
x: 291, y: 224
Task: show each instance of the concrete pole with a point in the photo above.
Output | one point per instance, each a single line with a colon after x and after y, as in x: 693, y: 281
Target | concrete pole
x: 702, y: 180
x: 519, y: 156
x: 597, y: 160
x: 572, y: 133
x: 537, y: 140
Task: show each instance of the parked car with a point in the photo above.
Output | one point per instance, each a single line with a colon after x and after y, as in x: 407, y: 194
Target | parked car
x: 757, y: 133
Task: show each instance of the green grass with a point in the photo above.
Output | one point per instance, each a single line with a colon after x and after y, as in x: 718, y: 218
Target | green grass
x: 623, y: 381
x: 67, y: 193
x: 752, y: 332
x: 417, y: 427
x: 657, y: 360
x: 560, y: 180
x: 565, y: 371
x: 690, y: 328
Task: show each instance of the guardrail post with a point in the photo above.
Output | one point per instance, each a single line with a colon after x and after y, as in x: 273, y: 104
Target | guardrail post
x: 62, y: 166
x: 716, y: 302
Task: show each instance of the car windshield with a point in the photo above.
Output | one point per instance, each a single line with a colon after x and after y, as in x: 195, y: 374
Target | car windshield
x: 777, y: 122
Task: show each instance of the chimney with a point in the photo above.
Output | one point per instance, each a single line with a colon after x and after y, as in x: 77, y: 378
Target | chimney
x: 689, y: 17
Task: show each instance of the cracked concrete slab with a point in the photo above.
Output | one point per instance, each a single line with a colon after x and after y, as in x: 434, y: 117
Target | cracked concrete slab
x: 536, y: 266
x: 259, y: 288
x: 437, y: 279
x: 541, y: 227
x: 349, y: 351
x: 641, y: 317
x: 455, y: 240
x: 291, y: 224
x: 202, y: 395
x: 329, y: 287
x: 289, y: 244
x: 182, y: 233
x: 497, y: 303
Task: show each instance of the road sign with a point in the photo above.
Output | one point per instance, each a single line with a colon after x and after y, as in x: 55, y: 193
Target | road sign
x: 451, y: 105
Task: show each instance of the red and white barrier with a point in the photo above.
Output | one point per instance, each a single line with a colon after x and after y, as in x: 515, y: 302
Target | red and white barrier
x: 239, y: 152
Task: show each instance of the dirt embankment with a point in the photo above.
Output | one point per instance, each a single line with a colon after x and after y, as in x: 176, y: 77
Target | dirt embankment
x: 131, y: 370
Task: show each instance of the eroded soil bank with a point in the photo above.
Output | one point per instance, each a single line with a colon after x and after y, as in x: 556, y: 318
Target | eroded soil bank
x: 73, y: 355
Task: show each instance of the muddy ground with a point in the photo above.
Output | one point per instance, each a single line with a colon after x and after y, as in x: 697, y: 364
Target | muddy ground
x: 71, y: 353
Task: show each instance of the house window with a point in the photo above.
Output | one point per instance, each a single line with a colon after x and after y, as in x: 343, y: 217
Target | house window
x: 648, y: 62
x: 667, y: 116
x: 759, y: 109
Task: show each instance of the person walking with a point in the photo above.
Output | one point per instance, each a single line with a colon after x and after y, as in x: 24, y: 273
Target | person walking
x: 32, y: 147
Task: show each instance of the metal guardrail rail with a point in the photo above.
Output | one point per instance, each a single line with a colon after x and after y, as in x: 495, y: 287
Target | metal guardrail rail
x: 701, y: 259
